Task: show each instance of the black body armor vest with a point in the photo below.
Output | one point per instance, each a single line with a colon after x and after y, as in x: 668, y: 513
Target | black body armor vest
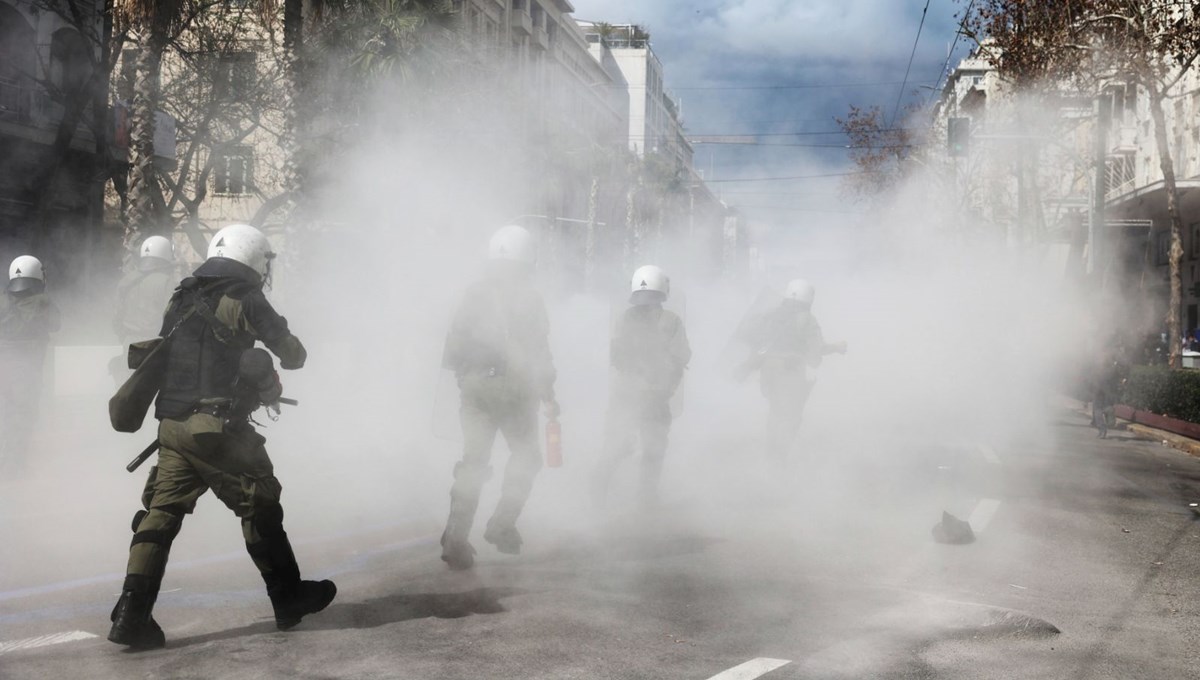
x: 202, y: 359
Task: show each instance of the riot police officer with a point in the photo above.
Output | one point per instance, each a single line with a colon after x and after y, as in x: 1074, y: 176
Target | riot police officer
x: 27, y: 318
x: 649, y: 352
x: 498, y: 347
x: 214, y: 318
x: 788, y: 343
x: 142, y: 294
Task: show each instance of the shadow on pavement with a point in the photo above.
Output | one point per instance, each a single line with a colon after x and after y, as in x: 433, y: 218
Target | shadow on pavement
x: 377, y: 612
x: 626, y: 547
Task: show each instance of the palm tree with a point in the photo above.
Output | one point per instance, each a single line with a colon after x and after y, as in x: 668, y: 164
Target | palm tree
x: 153, y: 21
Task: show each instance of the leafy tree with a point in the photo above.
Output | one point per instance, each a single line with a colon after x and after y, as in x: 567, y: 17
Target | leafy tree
x: 1152, y: 44
x: 880, y: 152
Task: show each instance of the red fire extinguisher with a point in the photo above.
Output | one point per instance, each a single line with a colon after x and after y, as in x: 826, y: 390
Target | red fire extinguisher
x: 554, y: 457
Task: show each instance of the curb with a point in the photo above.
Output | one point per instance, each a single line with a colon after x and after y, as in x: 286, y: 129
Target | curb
x: 1176, y: 441
x: 1184, y: 444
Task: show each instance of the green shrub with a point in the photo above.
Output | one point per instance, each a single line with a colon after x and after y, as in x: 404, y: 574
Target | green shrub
x: 1163, y: 391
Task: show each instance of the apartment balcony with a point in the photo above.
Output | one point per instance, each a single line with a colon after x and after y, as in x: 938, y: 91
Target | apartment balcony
x: 1120, y: 174
x: 1124, y: 139
x: 16, y: 102
x: 541, y: 38
x: 521, y: 22
x: 28, y: 113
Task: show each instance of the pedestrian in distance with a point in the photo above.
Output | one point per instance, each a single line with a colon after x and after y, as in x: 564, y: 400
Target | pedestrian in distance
x: 649, y: 353
x: 27, y: 318
x: 1112, y: 370
x: 206, y: 441
x: 498, y: 348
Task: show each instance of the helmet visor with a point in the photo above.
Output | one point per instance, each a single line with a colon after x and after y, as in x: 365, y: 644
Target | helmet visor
x: 26, y: 284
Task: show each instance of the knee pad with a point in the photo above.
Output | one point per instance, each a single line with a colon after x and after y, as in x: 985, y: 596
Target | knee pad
x: 162, y: 536
x: 137, y: 519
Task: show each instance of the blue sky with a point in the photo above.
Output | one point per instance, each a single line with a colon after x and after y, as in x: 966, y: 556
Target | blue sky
x: 709, y: 45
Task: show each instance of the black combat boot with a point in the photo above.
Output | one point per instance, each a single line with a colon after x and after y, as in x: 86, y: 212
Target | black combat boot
x: 296, y: 600
x: 132, y: 624
x: 457, y: 551
x: 502, y: 528
x: 291, y: 598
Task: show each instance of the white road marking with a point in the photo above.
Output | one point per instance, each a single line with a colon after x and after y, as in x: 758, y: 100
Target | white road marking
x: 989, y: 454
x: 44, y: 641
x: 753, y: 668
x: 983, y: 513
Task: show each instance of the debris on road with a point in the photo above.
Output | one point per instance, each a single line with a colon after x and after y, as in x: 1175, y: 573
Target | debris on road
x: 953, y: 531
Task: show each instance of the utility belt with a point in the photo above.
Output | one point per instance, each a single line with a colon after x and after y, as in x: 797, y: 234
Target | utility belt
x: 223, y: 410
x: 487, y: 371
x: 785, y: 362
x: 218, y: 410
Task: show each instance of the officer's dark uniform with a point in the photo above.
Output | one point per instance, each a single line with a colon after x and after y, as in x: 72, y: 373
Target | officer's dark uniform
x: 498, y: 347
x: 648, y: 352
x: 27, y: 318
x: 790, y: 342
x: 206, y: 443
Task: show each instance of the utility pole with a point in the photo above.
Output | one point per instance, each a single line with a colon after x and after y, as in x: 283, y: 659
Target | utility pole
x: 1096, y: 233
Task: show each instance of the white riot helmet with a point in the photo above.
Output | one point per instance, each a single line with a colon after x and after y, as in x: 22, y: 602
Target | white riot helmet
x: 243, y: 243
x: 513, y: 244
x: 650, y: 285
x: 799, y: 290
x: 158, y: 247
x: 25, y: 273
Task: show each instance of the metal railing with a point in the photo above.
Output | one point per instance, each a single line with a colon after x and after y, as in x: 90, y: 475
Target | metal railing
x: 15, y: 101
x: 1120, y: 173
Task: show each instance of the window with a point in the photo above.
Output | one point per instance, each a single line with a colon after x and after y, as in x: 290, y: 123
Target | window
x: 236, y: 74
x: 70, y: 63
x: 1162, y: 247
x: 233, y: 171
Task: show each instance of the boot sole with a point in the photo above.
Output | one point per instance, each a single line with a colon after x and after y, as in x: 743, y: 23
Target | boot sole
x: 133, y: 642
x: 288, y: 624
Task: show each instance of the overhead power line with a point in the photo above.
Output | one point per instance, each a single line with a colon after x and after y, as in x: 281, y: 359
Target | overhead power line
x: 900, y: 96
x: 787, y: 145
x: 789, y: 208
x: 792, y: 86
x: 962, y: 24
x: 699, y: 137
x: 783, y: 179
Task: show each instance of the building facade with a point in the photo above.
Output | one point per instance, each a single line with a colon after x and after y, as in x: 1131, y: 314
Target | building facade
x: 53, y: 134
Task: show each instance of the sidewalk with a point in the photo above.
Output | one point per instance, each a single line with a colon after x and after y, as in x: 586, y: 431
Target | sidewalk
x: 1126, y: 416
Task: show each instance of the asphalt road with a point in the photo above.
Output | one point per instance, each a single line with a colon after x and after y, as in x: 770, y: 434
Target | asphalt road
x: 1083, y: 567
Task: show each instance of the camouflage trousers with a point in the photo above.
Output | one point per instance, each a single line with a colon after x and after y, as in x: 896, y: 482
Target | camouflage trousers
x: 491, y: 405
x: 197, y: 454
x: 635, y: 419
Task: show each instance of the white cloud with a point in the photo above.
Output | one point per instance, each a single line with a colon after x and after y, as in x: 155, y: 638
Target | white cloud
x: 824, y: 30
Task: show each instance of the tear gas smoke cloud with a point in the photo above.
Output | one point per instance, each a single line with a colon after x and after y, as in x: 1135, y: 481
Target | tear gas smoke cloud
x: 949, y: 341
